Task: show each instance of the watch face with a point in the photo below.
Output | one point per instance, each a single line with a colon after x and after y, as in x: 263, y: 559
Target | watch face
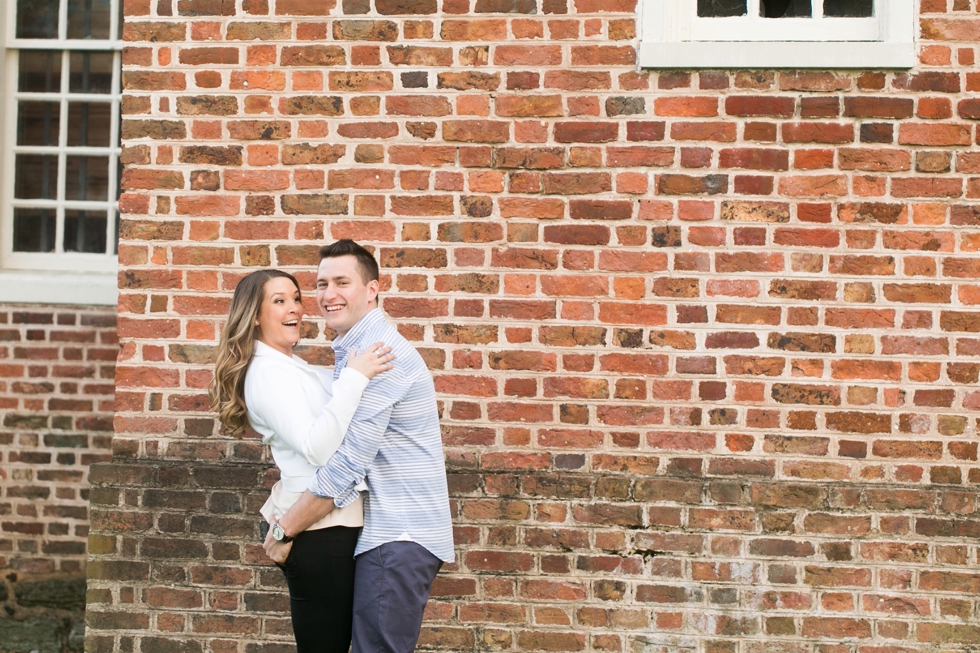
x: 278, y: 533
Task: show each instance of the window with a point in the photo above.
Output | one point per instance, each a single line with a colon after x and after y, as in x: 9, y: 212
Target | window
x: 823, y: 34
x: 60, y: 151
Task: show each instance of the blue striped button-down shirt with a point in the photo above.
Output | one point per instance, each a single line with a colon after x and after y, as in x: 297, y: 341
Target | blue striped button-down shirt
x: 394, y: 444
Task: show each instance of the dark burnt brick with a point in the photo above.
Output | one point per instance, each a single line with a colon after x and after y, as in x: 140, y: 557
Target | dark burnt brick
x: 169, y: 645
x: 795, y: 393
x: 805, y: 342
x: 405, y: 7
x: 666, y: 236
x: 506, y: 6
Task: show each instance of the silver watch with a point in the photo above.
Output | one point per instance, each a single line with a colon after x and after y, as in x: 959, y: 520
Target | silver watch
x: 279, y: 535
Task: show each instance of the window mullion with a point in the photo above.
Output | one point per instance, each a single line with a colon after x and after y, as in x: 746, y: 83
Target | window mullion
x: 114, y: 156
x: 62, y: 144
x: 63, y: 20
x: 754, y: 10
x: 817, y: 8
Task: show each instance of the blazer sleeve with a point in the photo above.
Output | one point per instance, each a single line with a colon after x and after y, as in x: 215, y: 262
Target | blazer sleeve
x: 279, y: 400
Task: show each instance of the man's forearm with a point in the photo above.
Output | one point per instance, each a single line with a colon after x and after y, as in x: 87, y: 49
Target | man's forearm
x: 308, y: 510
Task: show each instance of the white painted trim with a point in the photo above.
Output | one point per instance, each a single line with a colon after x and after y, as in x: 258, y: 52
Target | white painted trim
x: 672, y: 36
x: 45, y: 287
x: 33, y: 262
x: 784, y: 55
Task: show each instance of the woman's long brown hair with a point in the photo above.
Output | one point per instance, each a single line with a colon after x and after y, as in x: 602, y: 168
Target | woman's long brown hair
x: 236, y: 348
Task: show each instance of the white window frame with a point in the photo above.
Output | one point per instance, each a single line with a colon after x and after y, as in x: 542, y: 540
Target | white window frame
x: 673, y: 36
x: 58, y: 277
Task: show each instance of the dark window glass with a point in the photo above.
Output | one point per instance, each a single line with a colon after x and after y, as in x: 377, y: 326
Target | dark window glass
x: 720, y: 8
x: 39, y: 71
x: 90, y: 72
x: 87, y: 178
x: 785, y: 8
x: 34, y: 230
x: 849, y: 8
x: 37, y: 19
x: 84, y: 231
x: 37, y: 123
x: 88, y: 19
x: 89, y: 124
x: 36, y: 177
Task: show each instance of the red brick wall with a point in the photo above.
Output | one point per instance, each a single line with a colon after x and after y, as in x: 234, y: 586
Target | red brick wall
x: 56, y: 393
x: 707, y: 343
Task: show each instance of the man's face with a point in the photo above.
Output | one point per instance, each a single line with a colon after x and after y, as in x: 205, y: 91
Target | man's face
x: 341, y: 293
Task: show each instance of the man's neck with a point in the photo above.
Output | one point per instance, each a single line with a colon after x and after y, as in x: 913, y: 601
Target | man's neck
x: 342, y: 336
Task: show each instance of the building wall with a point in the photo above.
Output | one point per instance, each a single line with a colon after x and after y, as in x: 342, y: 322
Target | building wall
x: 56, y: 394
x: 706, y: 342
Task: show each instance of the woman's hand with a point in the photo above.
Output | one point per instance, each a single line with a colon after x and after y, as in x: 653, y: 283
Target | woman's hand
x: 277, y: 551
x: 372, y: 361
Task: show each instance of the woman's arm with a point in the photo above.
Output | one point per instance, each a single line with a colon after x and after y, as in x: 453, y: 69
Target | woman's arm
x: 278, y: 398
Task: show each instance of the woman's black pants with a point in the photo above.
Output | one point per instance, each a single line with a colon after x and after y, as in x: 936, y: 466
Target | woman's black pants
x: 320, y: 575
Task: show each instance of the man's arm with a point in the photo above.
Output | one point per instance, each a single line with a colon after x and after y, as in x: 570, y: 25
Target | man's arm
x: 365, y: 435
x: 308, y: 510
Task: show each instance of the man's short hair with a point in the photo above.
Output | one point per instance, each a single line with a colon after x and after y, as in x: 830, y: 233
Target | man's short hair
x: 366, y: 265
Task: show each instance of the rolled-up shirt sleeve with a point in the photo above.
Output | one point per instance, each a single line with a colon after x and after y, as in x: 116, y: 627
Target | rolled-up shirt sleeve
x: 279, y: 401
x: 347, y: 468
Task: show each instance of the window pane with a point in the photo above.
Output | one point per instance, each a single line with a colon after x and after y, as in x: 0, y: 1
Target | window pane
x: 87, y: 178
x: 34, y: 230
x: 785, y: 8
x: 90, y: 72
x: 37, y: 123
x: 849, y: 8
x: 39, y: 71
x: 719, y: 8
x: 36, y: 177
x: 88, y: 124
x: 84, y: 231
x: 88, y: 19
x: 37, y: 19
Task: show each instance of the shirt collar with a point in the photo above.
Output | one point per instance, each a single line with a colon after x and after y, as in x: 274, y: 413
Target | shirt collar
x: 262, y: 349
x: 369, y: 321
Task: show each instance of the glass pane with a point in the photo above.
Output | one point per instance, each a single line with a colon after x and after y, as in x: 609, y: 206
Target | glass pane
x: 34, y: 230
x: 88, y: 19
x: 37, y: 19
x: 88, y: 124
x: 90, y: 72
x: 785, y: 8
x: 719, y: 8
x: 849, y: 8
x: 87, y: 178
x: 39, y: 71
x: 36, y: 177
x: 37, y: 123
x: 84, y: 231
x: 115, y: 231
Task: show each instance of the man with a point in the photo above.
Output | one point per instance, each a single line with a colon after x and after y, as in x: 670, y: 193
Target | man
x: 394, y: 445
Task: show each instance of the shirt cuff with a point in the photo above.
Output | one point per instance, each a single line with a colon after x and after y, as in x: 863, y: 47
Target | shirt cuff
x: 340, y: 498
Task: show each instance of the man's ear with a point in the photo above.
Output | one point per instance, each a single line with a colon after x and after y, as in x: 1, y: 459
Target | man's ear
x: 374, y: 287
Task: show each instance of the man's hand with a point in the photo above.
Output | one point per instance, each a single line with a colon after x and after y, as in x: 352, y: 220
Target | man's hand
x: 277, y: 551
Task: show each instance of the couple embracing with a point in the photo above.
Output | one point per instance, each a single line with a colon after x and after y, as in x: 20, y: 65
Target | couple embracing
x: 359, y: 521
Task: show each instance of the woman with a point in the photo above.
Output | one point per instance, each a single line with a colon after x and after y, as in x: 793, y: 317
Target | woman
x: 302, y: 414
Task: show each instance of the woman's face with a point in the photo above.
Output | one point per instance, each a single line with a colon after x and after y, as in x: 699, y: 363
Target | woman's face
x: 281, y: 315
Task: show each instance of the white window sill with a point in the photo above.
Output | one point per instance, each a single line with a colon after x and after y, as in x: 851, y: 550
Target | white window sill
x: 778, y: 54
x: 44, y: 287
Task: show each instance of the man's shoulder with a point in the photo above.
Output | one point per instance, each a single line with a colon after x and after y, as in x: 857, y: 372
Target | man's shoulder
x: 408, y: 359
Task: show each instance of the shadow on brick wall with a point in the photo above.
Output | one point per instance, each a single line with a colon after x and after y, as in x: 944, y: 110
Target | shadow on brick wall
x: 42, y: 614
